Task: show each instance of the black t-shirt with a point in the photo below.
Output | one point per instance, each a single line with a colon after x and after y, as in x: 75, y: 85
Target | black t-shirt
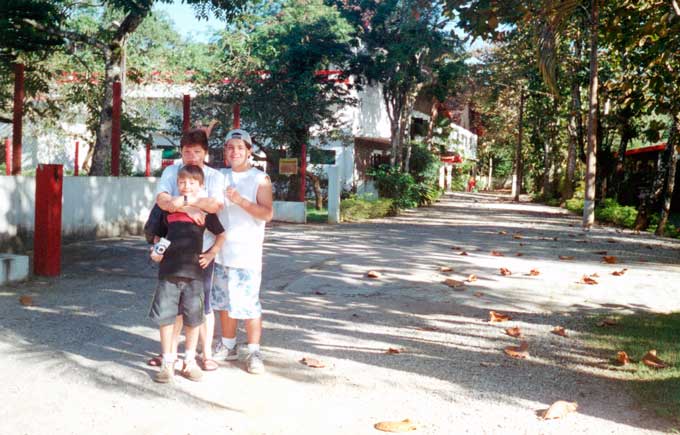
x: 186, y: 244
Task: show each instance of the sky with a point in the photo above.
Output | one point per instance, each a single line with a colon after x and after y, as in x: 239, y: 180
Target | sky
x: 187, y: 24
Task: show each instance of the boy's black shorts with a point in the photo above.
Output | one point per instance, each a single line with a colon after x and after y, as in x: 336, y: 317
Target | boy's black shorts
x: 166, y: 301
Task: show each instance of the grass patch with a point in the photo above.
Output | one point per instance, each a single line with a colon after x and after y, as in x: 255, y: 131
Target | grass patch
x: 357, y: 208
x: 636, y: 334
x: 316, y: 216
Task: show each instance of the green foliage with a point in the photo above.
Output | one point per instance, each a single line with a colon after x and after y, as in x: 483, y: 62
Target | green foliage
x: 612, y: 211
x: 316, y: 216
x: 356, y: 208
x: 403, y: 188
x: 424, y: 164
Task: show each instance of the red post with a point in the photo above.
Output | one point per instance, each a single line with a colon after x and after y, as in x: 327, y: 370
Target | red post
x: 8, y: 156
x: 303, y: 172
x: 47, y: 235
x: 75, y: 160
x: 18, y: 117
x: 237, y: 115
x: 186, y: 112
x: 115, y: 130
x: 147, y: 172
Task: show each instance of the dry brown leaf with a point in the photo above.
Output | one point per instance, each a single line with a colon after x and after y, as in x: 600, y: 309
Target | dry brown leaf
x: 534, y: 272
x: 478, y: 294
x: 26, y: 300
x: 472, y: 278
x: 320, y: 293
x: 594, y: 275
x: 607, y: 322
x: 566, y: 257
x: 601, y: 252
x: 517, y: 236
x: 514, y: 332
x: 585, y: 279
x: 610, y: 259
x: 612, y: 241
x: 559, y: 409
x: 651, y: 360
x: 497, y: 254
x: 463, y: 253
x: 312, y: 362
x: 405, y: 425
x: 373, y: 274
x: 502, y: 233
x: 428, y: 328
x: 619, y: 272
x: 446, y: 269
x: 505, y: 271
x: 519, y: 254
x: 393, y: 351
x: 498, y: 317
x: 559, y: 330
x: 622, y: 358
x: 519, y: 352
x: 456, y: 248
x: 453, y: 282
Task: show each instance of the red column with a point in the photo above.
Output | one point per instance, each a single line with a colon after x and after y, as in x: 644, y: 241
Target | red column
x: 303, y: 172
x: 147, y: 172
x: 75, y: 160
x: 8, y: 156
x: 115, y: 130
x: 186, y: 112
x: 237, y: 115
x: 47, y: 236
x: 18, y: 117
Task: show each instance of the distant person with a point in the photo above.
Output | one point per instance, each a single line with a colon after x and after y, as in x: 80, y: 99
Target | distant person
x: 194, y: 148
x: 238, y: 272
x: 180, y: 278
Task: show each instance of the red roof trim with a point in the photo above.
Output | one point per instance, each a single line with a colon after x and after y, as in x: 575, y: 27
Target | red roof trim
x: 649, y: 149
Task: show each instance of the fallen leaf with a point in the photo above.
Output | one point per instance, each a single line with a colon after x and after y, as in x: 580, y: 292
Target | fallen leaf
x: 373, y: 274
x: 405, y: 425
x: 312, y: 362
x: 610, y: 259
x: 622, y: 358
x: 522, y: 244
x: 585, y: 279
x: 453, y: 282
x: 612, y: 241
x: 601, y: 252
x: 534, y: 272
x: 519, y: 352
x: 26, y: 300
x: 478, y: 294
x: 607, y: 322
x: 498, y: 317
x: 502, y: 233
x: 446, y: 269
x: 555, y: 239
x: 319, y: 293
x: 519, y: 254
x: 513, y: 332
x: 428, y: 328
x: 393, y: 351
x: 651, y: 360
x: 566, y: 257
x: 558, y: 409
x: 505, y: 271
x: 559, y: 330
x: 472, y: 278
x: 594, y: 275
x: 497, y: 254
x: 619, y: 272
x: 517, y: 236
x: 456, y: 248
x: 463, y: 253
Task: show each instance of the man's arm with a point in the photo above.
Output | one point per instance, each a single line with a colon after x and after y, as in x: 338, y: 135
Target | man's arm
x: 205, y: 258
x: 263, y: 209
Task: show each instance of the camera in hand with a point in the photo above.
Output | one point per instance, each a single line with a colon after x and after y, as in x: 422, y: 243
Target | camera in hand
x: 161, y: 246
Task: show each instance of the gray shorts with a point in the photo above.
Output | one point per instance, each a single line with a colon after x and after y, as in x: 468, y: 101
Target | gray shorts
x: 166, y: 301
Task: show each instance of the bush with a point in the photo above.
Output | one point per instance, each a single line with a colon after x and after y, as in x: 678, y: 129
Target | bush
x: 356, y: 208
x: 612, y: 211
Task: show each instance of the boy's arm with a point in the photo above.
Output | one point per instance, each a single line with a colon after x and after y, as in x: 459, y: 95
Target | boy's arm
x: 205, y: 258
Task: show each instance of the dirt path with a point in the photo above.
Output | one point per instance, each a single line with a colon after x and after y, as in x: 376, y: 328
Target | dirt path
x: 74, y: 363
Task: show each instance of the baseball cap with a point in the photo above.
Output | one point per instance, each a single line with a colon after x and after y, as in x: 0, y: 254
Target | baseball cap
x: 239, y: 134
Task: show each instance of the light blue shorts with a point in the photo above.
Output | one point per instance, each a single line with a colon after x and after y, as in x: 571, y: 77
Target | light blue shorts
x: 236, y: 291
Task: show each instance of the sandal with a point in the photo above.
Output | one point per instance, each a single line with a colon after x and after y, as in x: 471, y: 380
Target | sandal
x: 207, y: 365
x: 156, y: 361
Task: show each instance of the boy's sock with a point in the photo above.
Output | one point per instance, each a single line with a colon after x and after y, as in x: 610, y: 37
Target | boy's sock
x: 253, y: 347
x: 189, y: 355
x: 229, y: 343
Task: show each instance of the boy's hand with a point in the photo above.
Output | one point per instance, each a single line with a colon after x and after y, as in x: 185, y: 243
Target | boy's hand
x: 205, y: 258
x: 196, y: 215
x: 232, y: 195
x: 155, y: 257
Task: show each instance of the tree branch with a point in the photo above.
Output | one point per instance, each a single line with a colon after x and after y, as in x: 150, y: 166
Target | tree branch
x: 67, y: 34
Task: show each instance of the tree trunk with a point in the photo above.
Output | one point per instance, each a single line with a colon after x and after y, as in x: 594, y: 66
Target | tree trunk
x: 619, y: 173
x: 113, y: 61
x: 316, y: 184
x: 406, y: 124
x: 591, y: 159
x: 434, y: 113
x: 673, y: 145
x: 517, y: 173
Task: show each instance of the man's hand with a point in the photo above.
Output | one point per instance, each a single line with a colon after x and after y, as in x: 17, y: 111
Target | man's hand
x: 205, y: 258
x: 196, y: 215
x: 232, y: 195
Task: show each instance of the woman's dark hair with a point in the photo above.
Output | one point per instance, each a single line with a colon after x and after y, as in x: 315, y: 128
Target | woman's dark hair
x: 191, y: 171
x: 194, y: 136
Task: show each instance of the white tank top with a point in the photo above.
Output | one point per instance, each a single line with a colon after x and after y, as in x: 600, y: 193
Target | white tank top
x: 245, y: 234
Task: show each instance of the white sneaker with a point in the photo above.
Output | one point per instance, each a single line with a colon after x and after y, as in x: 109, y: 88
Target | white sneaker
x: 254, y: 363
x: 223, y: 352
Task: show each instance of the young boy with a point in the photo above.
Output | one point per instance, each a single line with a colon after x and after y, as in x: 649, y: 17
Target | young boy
x: 180, y: 277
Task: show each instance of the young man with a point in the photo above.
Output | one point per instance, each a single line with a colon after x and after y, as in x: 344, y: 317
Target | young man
x: 236, y: 287
x: 180, y: 278
x: 194, y: 148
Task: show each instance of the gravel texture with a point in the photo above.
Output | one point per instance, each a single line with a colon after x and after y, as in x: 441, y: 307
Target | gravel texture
x: 74, y: 362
